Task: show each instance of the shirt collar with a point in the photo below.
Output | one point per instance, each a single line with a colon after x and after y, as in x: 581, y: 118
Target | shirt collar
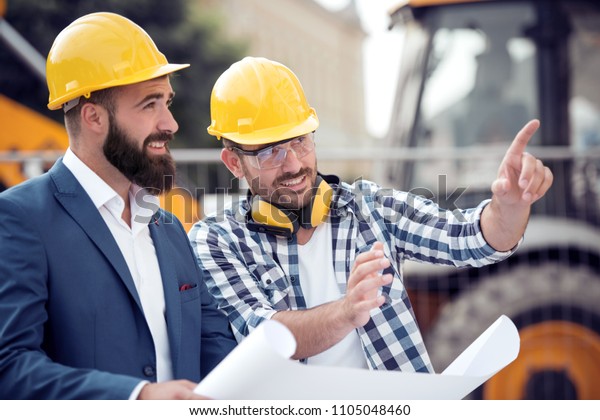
x: 98, y: 190
x: 343, y: 196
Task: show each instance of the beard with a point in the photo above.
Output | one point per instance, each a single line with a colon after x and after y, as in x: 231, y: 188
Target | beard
x: 285, y: 197
x: 154, y: 173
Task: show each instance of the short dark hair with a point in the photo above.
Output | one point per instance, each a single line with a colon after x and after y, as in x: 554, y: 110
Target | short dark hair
x: 228, y: 143
x: 103, y: 97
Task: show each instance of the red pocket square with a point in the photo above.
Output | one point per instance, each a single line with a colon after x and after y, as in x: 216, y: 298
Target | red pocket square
x: 186, y: 286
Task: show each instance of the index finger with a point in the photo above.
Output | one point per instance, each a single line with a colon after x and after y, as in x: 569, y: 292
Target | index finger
x: 519, y: 144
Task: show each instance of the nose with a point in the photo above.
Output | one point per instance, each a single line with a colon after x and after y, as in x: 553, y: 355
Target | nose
x: 167, y: 122
x: 291, y: 163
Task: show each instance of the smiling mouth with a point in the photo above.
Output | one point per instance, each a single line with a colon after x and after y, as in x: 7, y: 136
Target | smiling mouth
x: 293, y: 182
x: 157, y: 144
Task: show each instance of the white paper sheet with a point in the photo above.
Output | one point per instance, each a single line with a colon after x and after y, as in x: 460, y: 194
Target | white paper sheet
x: 259, y: 368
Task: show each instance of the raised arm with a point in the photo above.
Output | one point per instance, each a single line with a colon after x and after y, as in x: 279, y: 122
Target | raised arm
x: 522, y: 180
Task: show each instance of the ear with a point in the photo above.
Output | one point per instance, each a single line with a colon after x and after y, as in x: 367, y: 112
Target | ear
x: 233, y: 163
x: 94, y: 118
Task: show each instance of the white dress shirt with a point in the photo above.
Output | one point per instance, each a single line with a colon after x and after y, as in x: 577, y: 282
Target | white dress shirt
x: 138, y: 251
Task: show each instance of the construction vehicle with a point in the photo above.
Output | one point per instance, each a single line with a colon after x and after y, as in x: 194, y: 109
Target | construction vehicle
x: 30, y: 142
x: 471, y: 74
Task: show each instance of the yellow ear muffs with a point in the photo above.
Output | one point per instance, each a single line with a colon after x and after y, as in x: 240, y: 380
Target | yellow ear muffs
x: 270, y: 218
x: 319, y: 208
x: 268, y: 214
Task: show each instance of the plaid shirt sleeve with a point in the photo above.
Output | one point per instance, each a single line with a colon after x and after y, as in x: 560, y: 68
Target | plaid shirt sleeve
x: 243, y: 279
x: 427, y: 233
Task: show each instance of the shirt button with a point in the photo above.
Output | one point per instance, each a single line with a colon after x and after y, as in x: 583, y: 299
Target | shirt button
x: 149, y: 371
x: 268, y: 281
x: 293, y: 279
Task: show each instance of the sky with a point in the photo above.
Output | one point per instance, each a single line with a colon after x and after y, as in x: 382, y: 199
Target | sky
x: 381, y: 59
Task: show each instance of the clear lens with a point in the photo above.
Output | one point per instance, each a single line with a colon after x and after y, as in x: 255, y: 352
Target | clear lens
x: 273, y: 157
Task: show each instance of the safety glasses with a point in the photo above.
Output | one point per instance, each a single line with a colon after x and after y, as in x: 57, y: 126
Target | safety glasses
x: 273, y: 156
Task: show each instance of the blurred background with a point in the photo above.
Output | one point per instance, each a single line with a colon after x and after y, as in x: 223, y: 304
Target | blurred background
x: 418, y: 95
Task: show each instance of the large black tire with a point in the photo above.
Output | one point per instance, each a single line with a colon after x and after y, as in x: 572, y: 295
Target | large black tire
x: 527, y: 294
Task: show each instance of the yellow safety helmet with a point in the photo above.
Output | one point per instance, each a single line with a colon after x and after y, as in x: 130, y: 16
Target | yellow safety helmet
x: 259, y: 101
x: 99, y: 51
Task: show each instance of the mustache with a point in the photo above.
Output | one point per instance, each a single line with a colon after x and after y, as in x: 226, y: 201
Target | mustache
x: 285, y: 177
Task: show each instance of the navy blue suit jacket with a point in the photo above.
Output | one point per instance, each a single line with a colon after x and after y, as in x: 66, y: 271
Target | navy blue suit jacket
x: 71, y: 322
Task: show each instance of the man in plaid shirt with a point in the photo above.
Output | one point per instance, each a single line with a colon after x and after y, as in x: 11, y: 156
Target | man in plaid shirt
x: 324, y: 257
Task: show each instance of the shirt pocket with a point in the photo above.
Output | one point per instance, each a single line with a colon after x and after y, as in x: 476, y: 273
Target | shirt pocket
x: 269, y: 278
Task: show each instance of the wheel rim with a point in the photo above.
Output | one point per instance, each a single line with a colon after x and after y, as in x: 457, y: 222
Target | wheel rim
x: 557, y: 349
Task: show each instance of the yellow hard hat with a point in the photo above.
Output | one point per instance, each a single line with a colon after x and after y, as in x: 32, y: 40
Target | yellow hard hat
x: 259, y: 101
x: 98, y: 51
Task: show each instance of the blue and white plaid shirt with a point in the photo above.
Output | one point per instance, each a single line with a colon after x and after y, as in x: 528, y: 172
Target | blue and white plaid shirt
x: 254, y: 275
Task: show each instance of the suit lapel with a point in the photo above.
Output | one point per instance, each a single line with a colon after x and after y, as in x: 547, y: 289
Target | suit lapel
x: 80, y: 207
x: 163, y: 248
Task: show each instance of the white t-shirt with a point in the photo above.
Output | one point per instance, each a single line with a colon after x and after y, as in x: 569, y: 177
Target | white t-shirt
x: 319, y: 286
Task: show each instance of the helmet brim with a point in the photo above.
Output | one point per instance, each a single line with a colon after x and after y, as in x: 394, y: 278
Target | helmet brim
x: 270, y: 135
x: 142, y: 76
